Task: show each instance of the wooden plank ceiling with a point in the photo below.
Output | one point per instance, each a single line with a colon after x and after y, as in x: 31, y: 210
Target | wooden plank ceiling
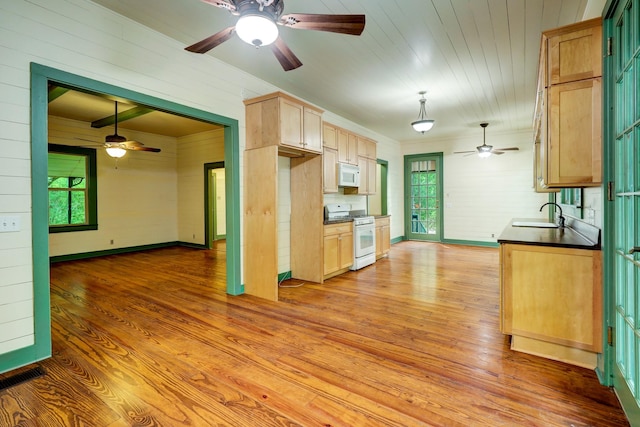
x: 477, y: 59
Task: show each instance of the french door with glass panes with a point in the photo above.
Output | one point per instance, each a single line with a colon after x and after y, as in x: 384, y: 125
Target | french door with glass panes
x: 423, y: 193
x: 622, y: 205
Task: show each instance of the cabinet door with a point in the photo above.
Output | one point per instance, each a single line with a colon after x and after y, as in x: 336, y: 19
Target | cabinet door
x: 346, y: 250
x: 291, y: 120
x: 576, y: 55
x: 378, y: 241
x: 329, y: 136
x: 372, y: 167
x: 331, y: 254
x: 386, y: 239
x: 312, y: 124
x: 552, y: 294
x: 574, y: 142
x: 330, y: 170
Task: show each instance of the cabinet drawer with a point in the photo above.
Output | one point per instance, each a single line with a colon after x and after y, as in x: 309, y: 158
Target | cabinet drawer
x: 381, y: 222
x: 343, y: 227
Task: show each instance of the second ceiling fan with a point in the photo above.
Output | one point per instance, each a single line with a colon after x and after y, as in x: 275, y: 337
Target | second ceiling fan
x: 258, y: 25
x: 485, y: 150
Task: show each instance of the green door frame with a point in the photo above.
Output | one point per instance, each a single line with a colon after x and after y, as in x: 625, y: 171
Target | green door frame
x: 610, y: 374
x: 40, y: 77
x: 407, y: 193
x: 210, y: 219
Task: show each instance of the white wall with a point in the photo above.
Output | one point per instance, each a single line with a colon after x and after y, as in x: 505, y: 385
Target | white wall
x: 193, y: 152
x: 136, y: 193
x: 481, y: 196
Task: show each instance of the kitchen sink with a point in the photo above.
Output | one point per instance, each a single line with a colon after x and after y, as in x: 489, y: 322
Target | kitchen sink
x: 535, y: 224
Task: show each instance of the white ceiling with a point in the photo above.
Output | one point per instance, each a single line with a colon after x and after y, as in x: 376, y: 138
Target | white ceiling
x: 477, y: 59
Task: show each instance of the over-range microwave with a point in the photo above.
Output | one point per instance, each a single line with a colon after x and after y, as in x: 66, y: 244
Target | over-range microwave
x: 348, y: 175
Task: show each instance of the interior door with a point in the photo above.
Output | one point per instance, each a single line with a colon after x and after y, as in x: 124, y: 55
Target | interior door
x: 623, y: 207
x: 423, y: 195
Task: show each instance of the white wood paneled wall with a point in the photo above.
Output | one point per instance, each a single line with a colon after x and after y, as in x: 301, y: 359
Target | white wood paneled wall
x: 193, y: 152
x: 481, y: 195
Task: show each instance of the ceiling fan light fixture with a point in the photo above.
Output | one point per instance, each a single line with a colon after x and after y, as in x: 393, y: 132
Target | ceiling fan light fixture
x: 257, y: 30
x: 116, y: 152
x: 423, y: 124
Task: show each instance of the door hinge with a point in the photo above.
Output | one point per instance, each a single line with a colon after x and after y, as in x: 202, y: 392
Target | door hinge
x: 610, y: 336
x: 610, y: 190
x: 609, y: 46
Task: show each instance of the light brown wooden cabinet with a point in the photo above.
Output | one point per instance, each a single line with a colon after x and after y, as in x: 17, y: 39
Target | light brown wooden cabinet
x: 330, y: 170
x: 278, y: 119
x: 551, y: 301
x: 383, y: 236
x: 273, y: 121
x: 347, y: 147
x: 329, y: 136
x: 338, y: 248
x: 569, y: 107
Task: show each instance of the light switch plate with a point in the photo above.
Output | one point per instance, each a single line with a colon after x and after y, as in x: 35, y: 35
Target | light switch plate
x: 9, y: 224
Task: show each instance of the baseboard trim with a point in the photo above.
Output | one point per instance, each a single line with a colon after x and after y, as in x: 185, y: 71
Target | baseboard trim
x: 95, y: 254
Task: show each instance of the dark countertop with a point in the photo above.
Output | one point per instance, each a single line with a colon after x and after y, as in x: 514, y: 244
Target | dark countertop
x: 566, y: 237
x: 337, y: 221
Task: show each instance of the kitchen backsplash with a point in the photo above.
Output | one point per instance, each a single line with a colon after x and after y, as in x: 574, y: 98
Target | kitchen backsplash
x: 356, y: 202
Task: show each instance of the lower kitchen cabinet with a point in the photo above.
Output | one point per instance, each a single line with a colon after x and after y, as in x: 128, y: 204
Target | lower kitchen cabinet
x: 338, y: 248
x: 551, y: 301
x: 383, y: 236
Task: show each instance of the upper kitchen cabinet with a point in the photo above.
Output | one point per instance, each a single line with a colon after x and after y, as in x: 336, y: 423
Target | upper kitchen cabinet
x: 279, y: 119
x: 329, y: 136
x: 568, y: 116
x: 347, y: 147
x: 574, y: 52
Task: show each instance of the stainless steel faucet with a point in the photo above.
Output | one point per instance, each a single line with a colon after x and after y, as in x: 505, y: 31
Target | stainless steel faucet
x: 561, y: 218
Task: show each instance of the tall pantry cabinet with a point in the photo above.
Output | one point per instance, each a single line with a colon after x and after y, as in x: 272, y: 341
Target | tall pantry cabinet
x: 280, y: 125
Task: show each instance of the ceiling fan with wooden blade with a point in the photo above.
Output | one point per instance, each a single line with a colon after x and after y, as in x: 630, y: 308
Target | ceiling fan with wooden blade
x: 117, y: 145
x: 258, y: 25
x: 485, y: 150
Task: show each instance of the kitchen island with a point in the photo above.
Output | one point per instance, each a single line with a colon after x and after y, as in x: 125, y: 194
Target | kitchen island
x: 551, y: 291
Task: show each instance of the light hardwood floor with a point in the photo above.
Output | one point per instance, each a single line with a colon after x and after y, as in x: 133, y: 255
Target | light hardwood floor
x: 151, y: 339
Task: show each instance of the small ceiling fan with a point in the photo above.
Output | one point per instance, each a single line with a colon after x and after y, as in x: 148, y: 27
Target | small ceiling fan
x: 485, y: 150
x: 117, y: 145
x: 257, y: 26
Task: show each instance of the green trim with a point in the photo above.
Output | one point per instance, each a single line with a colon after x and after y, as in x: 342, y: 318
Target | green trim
x: 210, y: 202
x: 471, y: 243
x: 397, y: 240
x: 627, y: 400
x: 438, y: 158
x: 384, y: 173
x: 606, y: 362
x: 92, y: 188
x: 131, y: 113
x: 94, y: 254
x: 284, y: 276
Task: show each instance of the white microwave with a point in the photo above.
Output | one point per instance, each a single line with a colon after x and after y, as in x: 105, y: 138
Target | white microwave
x: 348, y: 175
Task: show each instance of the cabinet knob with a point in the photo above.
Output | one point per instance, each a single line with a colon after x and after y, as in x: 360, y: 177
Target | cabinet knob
x: 634, y: 250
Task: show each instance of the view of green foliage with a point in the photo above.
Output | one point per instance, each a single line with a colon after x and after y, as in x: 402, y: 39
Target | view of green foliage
x: 67, y: 201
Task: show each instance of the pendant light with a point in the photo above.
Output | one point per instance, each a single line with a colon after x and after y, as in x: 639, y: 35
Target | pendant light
x: 422, y: 124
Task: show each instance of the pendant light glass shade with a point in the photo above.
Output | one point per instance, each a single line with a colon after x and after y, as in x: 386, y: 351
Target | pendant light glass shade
x: 116, y: 152
x: 257, y: 30
x: 423, y: 124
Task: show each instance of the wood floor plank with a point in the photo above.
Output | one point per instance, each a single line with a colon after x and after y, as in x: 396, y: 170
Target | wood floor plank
x: 152, y: 339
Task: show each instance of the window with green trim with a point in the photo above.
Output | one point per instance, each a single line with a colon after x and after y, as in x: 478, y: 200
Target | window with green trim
x: 72, y: 188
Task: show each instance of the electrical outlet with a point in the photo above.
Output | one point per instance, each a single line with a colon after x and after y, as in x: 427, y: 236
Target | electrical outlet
x: 9, y: 224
